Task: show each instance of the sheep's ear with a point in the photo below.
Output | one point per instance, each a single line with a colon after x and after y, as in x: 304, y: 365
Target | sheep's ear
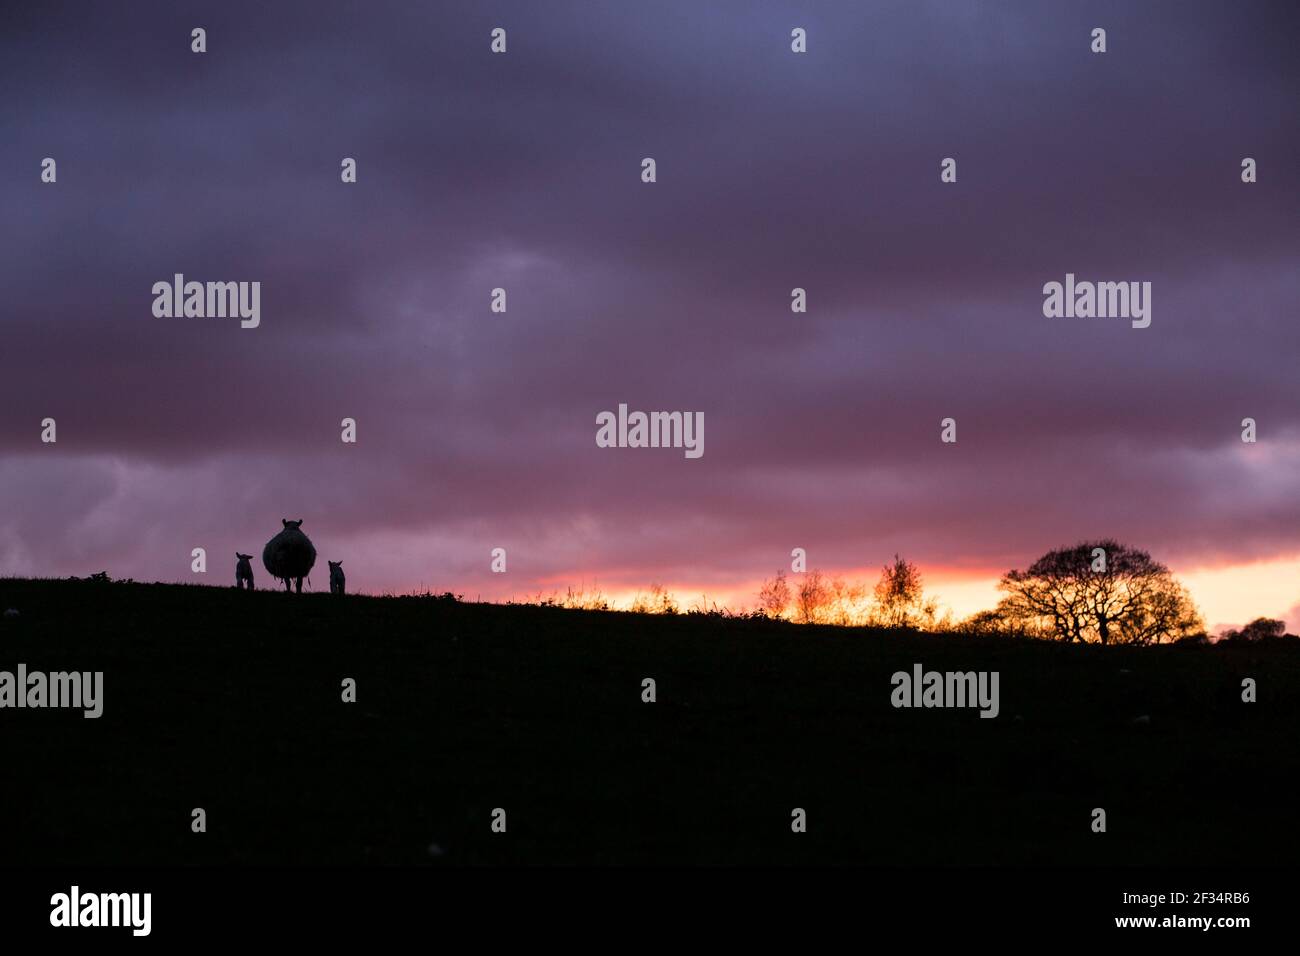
x: 285, y: 522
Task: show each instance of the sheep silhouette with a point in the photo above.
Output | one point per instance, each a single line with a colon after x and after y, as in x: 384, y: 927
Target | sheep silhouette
x: 243, y: 571
x: 337, y: 580
x: 290, y: 554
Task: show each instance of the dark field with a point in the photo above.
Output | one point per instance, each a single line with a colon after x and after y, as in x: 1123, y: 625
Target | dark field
x: 230, y: 701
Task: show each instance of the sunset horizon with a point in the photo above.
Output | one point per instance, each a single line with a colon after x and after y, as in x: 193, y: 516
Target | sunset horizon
x: 484, y: 463
x: 462, y: 309
x: 1228, y: 596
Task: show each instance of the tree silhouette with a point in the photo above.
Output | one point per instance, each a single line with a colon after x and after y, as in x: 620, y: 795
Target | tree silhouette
x: 1099, y: 591
x: 811, y: 598
x: 1257, y: 630
x: 900, y: 598
x: 774, y: 597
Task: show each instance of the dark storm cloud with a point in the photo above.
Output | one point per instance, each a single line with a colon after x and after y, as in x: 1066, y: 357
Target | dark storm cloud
x: 522, y: 171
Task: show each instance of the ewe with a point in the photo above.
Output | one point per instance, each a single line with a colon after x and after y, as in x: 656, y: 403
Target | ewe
x: 289, y: 554
x: 243, y: 571
x: 337, y: 580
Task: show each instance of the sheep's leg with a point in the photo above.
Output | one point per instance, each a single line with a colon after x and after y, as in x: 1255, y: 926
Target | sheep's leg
x: 286, y: 585
x: 298, y: 585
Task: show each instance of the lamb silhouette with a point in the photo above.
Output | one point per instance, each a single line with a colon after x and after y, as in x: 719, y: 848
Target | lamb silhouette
x: 243, y: 571
x: 289, y: 554
x: 337, y: 580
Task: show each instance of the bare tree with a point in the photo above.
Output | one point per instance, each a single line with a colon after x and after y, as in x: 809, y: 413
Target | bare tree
x: 774, y: 596
x: 846, y: 603
x: 812, y: 598
x: 900, y: 597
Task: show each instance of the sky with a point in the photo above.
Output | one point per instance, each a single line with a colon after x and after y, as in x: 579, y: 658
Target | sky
x: 775, y: 170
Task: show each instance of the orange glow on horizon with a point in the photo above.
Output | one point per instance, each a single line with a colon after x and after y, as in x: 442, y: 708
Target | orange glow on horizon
x: 1225, y: 595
